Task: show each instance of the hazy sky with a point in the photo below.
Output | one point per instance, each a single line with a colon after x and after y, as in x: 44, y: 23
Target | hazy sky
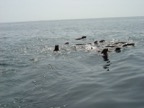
x: 32, y: 10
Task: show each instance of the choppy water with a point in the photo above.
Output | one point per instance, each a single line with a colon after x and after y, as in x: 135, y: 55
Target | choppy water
x: 33, y: 76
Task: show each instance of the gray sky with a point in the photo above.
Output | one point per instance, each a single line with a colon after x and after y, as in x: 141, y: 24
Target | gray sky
x: 32, y: 10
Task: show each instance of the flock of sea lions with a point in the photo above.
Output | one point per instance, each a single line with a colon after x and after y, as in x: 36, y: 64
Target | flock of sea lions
x: 102, y: 46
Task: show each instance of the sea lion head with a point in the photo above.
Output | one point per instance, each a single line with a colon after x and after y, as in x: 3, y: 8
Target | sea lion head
x: 56, y: 48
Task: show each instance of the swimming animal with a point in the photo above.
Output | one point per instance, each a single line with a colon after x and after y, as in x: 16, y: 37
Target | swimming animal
x: 95, y: 42
x: 56, y: 48
x: 101, y: 46
x: 83, y: 37
x: 80, y: 44
x: 118, y: 50
x: 66, y: 43
x: 128, y: 44
x: 101, y: 41
x: 105, y: 54
x: 120, y: 42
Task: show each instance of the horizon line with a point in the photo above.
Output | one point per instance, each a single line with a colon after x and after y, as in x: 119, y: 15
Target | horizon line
x: 67, y: 19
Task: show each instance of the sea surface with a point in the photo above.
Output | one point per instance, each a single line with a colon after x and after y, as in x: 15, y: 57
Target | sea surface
x: 33, y: 76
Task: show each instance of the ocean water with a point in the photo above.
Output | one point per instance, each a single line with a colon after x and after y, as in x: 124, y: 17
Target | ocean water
x: 33, y: 76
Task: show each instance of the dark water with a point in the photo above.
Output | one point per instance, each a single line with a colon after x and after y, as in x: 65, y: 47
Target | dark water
x: 33, y: 76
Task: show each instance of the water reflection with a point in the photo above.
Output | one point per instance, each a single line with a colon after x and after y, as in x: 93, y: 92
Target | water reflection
x: 105, y: 58
x: 107, y: 65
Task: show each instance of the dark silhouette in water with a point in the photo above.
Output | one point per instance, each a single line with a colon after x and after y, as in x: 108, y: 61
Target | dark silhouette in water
x: 117, y: 47
x: 67, y: 43
x: 107, y: 66
x: 120, y: 43
x: 105, y: 54
x: 101, y: 41
x: 128, y: 44
x: 105, y: 57
x: 80, y: 44
x: 83, y: 37
x: 131, y: 44
x: 95, y: 42
x: 56, y: 48
x: 118, y: 50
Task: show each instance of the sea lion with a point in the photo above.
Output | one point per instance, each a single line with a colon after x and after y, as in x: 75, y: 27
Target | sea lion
x: 104, y: 51
x: 105, y: 54
x: 120, y: 42
x: 80, y: 44
x: 95, y: 42
x: 129, y: 44
x: 83, y: 37
x: 56, y: 48
x: 118, y: 50
x: 101, y: 41
x: 67, y: 43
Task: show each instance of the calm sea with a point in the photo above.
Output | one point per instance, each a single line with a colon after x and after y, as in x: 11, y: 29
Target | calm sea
x: 33, y: 76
